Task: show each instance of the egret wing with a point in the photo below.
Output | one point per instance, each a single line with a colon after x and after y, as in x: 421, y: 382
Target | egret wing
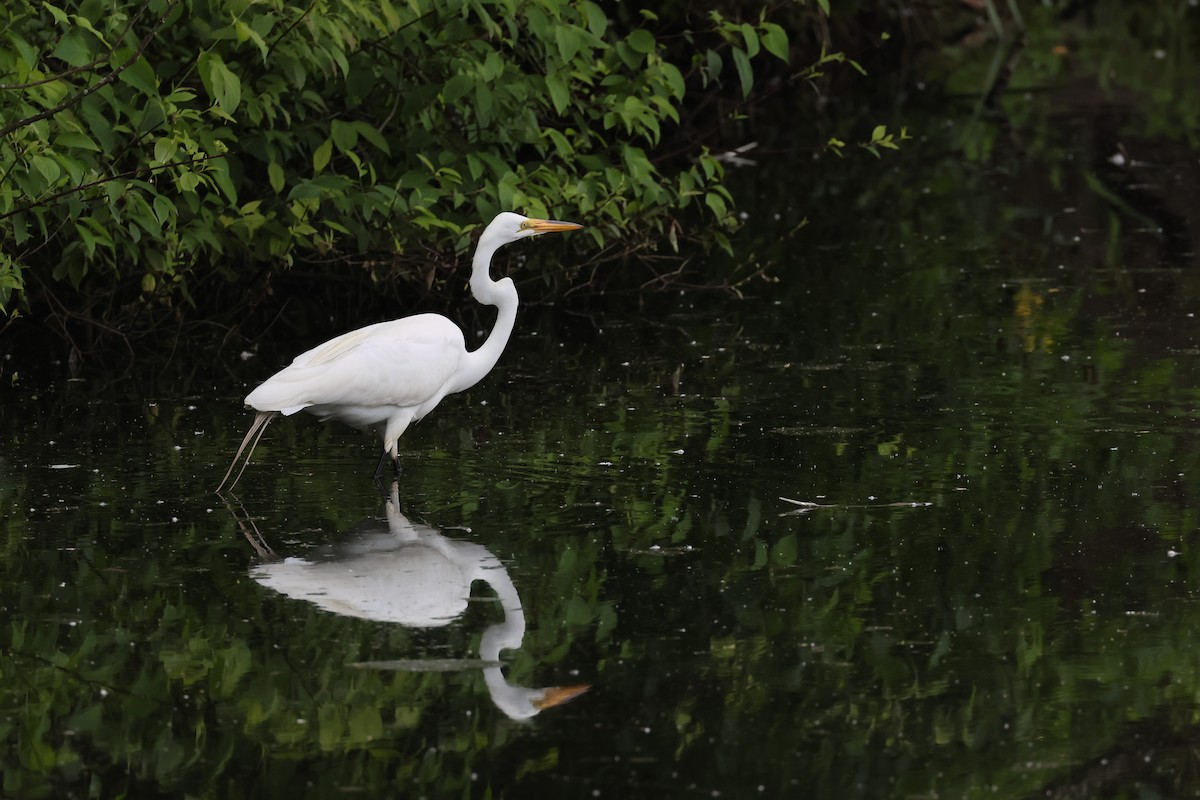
x: 401, y: 363
x: 416, y: 327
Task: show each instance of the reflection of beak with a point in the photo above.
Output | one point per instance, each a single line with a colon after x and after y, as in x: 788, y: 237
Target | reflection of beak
x: 552, y: 225
x: 557, y: 695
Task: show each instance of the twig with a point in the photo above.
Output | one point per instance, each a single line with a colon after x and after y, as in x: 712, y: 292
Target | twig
x: 806, y: 506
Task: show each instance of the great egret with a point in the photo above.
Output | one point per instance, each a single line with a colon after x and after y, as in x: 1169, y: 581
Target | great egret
x: 388, y: 375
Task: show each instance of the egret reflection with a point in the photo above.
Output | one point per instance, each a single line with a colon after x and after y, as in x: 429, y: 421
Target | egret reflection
x: 410, y: 574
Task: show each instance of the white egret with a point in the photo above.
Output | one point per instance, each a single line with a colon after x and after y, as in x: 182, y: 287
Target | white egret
x: 388, y: 375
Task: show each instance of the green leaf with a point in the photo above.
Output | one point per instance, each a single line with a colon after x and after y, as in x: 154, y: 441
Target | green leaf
x: 642, y: 41
x: 745, y: 73
x: 140, y: 75
x: 597, y: 20
x: 48, y: 167
x: 187, y: 181
x: 372, y: 135
x: 344, y: 135
x: 775, y: 40
x: 322, y: 187
x: 493, y: 66
x: 275, y: 176
x: 751, y: 37
x: 78, y: 141
x: 164, y: 209
x: 180, y: 96
x: 218, y: 173
x: 562, y: 146
x: 456, y: 88
x: 223, y: 87
x: 60, y: 16
x: 674, y: 79
x: 322, y: 155
x: 568, y: 40
x: 824, y: 4
x: 717, y: 203
x: 713, y: 65
x: 86, y: 24
x: 72, y: 49
x: 560, y: 94
x: 483, y: 104
x: 164, y: 150
x: 474, y: 166
x: 247, y: 33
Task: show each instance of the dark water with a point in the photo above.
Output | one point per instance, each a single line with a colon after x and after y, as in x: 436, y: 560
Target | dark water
x: 916, y: 520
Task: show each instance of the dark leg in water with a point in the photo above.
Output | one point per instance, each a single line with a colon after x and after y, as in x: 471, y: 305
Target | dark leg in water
x: 383, y: 461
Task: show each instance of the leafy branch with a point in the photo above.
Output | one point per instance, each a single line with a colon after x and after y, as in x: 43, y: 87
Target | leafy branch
x: 105, y: 81
x: 133, y: 173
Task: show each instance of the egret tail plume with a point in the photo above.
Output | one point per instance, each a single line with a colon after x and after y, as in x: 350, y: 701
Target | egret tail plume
x: 252, y: 436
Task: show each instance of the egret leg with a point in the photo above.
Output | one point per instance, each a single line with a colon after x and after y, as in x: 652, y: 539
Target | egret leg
x: 383, y: 459
x: 387, y: 488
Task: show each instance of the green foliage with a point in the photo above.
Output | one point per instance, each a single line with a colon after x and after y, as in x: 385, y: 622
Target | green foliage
x: 146, y: 145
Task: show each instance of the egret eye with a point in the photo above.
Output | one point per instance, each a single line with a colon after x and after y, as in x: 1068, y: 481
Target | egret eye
x: 526, y: 225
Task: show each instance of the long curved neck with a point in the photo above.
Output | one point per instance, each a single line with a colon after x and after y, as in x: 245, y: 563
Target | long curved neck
x: 503, y: 295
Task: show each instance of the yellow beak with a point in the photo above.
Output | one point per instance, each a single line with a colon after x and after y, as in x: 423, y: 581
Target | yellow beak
x: 552, y: 225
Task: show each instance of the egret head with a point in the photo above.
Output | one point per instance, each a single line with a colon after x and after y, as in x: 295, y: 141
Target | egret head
x: 509, y: 227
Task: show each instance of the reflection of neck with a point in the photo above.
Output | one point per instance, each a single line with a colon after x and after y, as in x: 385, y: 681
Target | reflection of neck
x: 515, y: 701
x: 509, y: 633
x: 398, y: 524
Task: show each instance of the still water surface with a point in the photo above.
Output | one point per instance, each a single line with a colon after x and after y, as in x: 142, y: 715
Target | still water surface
x: 917, y: 520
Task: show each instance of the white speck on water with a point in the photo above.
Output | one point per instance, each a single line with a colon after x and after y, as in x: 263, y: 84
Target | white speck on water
x: 63, y: 466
